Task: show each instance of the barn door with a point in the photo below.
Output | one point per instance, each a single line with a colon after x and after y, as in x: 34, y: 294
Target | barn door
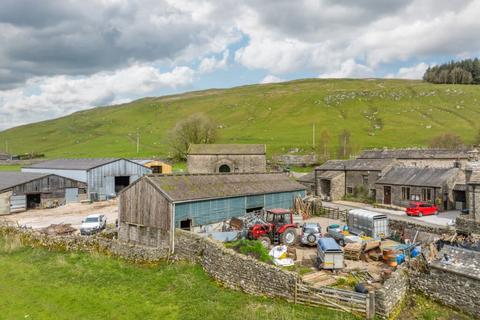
x: 387, y: 195
x: 109, y: 186
x: 18, y: 203
x: 71, y: 195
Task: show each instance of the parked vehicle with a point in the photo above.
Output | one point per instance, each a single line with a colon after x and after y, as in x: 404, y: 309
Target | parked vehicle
x: 93, y: 223
x: 277, y: 228
x: 369, y: 223
x: 311, y: 233
x: 329, y: 254
x: 421, y: 209
x: 342, y: 235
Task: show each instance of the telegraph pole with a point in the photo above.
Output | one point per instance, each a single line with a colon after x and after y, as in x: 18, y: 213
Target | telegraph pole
x: 313, y: 136
x: 138, y: 140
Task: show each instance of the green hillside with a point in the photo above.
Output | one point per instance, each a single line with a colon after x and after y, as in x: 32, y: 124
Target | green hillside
x: 378, y: 113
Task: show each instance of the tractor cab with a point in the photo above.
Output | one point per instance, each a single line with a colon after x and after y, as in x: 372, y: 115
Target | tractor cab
x: 279, y: 217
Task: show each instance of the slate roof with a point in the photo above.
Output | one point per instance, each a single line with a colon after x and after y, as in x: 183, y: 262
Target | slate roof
x: 329, y: 175
x: 73, y: 164
x: 356, y: 165
x: 188, y: 187
x: 421, y: 177
x: 309, y: 177
x: 414, y: 154
x: 214, y: 149
x: 11, y: 179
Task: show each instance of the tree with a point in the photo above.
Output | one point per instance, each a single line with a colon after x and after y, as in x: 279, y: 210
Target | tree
x: 323, y: 149
x: 345, y: 145
x: 447, y: 141
x: 196, y: 129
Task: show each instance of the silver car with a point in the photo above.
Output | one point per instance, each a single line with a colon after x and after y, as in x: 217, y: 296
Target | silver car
x: 311, y: 233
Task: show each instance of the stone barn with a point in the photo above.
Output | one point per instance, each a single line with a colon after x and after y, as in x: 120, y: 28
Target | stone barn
x: 155, y: 205
x: 104, y: 177
x: 337, y: 178
x: 227, y: 158
x: 400, y: 185
x: 21, y: 191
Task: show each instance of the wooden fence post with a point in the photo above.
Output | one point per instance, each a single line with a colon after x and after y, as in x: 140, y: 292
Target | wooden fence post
x: 370, y: 306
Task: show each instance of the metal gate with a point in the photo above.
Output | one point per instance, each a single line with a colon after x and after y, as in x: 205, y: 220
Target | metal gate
x: 18, y: 203
x: 71, y: 195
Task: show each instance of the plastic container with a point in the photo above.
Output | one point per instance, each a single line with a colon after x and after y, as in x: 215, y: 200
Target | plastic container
x: 400, y: 258
x: 416, y: 251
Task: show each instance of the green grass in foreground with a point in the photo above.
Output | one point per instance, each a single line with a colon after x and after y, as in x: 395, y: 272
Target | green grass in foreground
x: 420, y: 308
x: 10, y: 168
x: 38, y: 284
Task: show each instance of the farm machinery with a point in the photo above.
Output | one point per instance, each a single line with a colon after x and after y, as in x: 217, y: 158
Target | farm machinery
x: 273, y: 226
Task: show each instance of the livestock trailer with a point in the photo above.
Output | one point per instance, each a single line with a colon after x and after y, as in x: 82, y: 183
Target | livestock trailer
x: 329, y: 254
x: 369, y: 223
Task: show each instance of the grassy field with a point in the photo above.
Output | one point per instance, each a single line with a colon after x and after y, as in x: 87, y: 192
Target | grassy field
x: 378, y: 113
x: 10, y: 168
x: 38, y: 284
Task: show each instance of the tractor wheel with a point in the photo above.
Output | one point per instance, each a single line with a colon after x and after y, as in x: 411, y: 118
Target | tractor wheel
x: 265, y: 241
x: 289, y: 237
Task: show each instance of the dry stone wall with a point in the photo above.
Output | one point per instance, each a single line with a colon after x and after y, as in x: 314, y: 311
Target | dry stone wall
x: 234, y: 270
x: 390, y: 296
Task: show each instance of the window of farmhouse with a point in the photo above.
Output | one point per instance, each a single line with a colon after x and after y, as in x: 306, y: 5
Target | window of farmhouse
x: 405, y: 193
x: 426, y: 194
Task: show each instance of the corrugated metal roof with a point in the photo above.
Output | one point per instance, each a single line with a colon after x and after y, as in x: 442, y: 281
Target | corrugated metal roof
x: 414, y: 154
x: 421, y: 177
x: 73, y: 164
x: 206, y: 149
x: 357, y: 165
x: 189, y: 187
x: 11, y: 179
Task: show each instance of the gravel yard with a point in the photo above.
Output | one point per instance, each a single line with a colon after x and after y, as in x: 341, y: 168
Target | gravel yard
x: 72, y: 214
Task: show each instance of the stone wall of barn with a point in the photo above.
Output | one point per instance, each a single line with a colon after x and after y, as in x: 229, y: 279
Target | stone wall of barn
x: 236, y: 163
x: 452, y: 285
x: 337, y: 187
x: 362, y: 180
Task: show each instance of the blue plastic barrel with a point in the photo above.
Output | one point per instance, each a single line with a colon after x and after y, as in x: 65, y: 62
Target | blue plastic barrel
x: 400, y: 258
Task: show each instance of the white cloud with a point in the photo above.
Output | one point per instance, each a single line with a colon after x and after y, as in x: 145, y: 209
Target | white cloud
x: 211, y: 64
x: 60, y: 95
x: 413, y: 72
x: 271, y: 79
x: 349, y: 69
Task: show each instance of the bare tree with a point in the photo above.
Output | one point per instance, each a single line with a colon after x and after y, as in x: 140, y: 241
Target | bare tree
x: 196, y: 129
x: 323, y: 149
x: 447, y: 141
x: 345, y: 145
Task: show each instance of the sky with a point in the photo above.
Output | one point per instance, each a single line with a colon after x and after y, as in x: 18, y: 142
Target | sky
x: 62, y: 56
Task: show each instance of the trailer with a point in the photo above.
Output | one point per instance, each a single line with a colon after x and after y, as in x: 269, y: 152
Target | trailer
x: 368, y: 223
x: 329, y: 254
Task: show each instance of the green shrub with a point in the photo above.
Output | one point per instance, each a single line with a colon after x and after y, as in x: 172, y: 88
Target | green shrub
x: 252, y: 248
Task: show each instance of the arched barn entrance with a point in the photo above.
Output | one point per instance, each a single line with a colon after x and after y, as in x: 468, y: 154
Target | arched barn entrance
x: 224, y: 168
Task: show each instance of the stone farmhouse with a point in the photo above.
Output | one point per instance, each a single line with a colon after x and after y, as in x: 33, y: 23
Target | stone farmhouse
x: 337, y: 178
x: 227, y: 158
x: 398, y: 176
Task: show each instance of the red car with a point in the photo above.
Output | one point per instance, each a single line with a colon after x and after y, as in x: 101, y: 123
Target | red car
x: 421, y: 209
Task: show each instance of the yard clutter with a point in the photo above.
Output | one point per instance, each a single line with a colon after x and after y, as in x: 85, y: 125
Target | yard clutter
x: 58, y: 229
x: 279, y: 255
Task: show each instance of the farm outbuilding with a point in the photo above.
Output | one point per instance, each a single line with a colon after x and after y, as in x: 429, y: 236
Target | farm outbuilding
x: 154, y: 206
x: 104, y: 177
x: 157, y: 166
x: 20, y: 191
x: 439, y: 186
x: 227, y: 158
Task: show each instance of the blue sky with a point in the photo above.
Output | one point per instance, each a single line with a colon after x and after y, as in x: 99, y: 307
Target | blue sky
x: 59, y: 57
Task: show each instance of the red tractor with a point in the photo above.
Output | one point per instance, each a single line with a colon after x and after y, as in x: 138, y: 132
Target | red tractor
x: 277, y: 227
